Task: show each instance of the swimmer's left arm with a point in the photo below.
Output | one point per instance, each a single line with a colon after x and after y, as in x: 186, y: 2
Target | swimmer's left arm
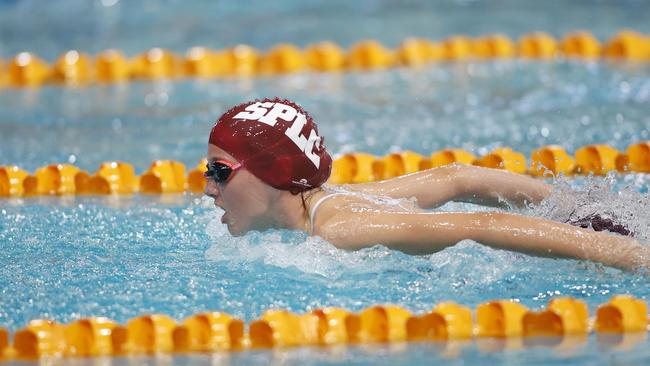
x: 461, y: 182
x: 425, y: 233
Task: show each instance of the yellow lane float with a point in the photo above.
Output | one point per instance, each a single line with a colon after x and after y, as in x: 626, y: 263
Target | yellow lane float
x: 494, y: 47
x: 550, y: 161
x: 325, y: 56
x: 27, y: 70
x: 282, y: 59
x: 538, y: 45
x: 629, y: 45
x: 446, y: 321
x: 622, y: 314
x: 500, y: 319
x: 72, y: 68
x: 90, y: 337
x: 336, y: 326
x: 383, y: 323
x: 447, y: 156
x: 457, y: 48
x: 112, y: 67
x: 150, y: 334
x: 281, y: 328
x: 12, y: 181
x: 369, y: 55
x: 353, y: 168
x: 563, y: 316
x: 209, y: 332
x: 636, y: 158
x: 40, y: 338
x: 56, y: 179
x: 503, y: 158
x: 203, y: 63
x: 156, y: 64
x: 164, y: 176
x: 596, y: 159
x: 240, y: 60
x: 581, y: 45
x: 195, y: 178
x: 396, y: 164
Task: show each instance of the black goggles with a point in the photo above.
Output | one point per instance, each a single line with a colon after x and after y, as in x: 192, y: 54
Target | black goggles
x: 220, y: 171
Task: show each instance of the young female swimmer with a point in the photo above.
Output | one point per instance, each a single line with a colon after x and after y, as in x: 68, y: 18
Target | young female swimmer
x: 267, y: 165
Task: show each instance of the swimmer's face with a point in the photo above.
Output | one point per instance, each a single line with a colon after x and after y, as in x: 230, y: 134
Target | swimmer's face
x: 244, y: 198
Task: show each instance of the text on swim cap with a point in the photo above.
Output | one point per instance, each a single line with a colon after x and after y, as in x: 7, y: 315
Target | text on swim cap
x: 269, y: 112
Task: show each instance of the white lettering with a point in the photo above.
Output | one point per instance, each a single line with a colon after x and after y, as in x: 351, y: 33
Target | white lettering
x: 309, y: 149
x: 280, y: 110
x: 254, y: 111
x: 294, y: 132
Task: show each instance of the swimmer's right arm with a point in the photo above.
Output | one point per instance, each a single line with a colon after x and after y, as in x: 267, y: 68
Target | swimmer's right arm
x: 427, y: 232
x: 461, y: 182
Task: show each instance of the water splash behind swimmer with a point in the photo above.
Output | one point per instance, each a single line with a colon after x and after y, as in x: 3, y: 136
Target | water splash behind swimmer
x: 603, y: 204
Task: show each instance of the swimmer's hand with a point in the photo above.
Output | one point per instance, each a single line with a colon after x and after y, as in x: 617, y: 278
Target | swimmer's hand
x: 429, y: 232
x: 461, y: 182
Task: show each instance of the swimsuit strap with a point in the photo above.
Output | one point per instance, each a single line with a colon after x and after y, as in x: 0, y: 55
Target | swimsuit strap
x: 312, y: 214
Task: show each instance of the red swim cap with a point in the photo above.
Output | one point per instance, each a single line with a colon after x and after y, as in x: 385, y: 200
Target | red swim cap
x: 277, y: 141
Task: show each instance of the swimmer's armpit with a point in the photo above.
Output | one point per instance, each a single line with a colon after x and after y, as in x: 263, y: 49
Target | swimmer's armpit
x: 427, y: 232
x: 461, y: 182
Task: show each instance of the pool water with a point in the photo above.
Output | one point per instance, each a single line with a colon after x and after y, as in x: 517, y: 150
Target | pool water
x: 70, y: 257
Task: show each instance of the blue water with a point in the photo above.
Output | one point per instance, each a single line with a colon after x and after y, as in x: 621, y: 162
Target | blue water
x: 71, y: 257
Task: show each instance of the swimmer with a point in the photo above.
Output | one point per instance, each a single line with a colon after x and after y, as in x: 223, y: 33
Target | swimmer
x: 267, y: 168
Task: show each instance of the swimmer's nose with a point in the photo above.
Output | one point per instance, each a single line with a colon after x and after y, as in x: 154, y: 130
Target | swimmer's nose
x: 211, y: 189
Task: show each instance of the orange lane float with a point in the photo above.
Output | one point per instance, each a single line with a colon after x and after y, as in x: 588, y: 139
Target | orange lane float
x: 446, y: 321
x: 156, y: 64
x: 164, y: 176
x: 11, y: 181
x: 635, y: 159
x: 596, y: 159
x: 203, y: 63
x: 582, y: 45
x: 383, y: 323
x: 282, y: 59
x: 90, y: 337
x: 622, y: 314
x: 628, y: 45
x: 500, y: 319
x: 494, y: 47
x: 195, y: 179
x: 353, y: 168
x: 325, y: 56
x: 56, y: 179
x: 538, y: 45
x: 457, y: 48
x: 550, y: 161
x: 417, y: 51
x: 209, y: 332
x: 337, y: 326
x: 447, y: 156
x: 369, y: 55
x: 40, y: 338
x: 111, y: 67
x: 396, y: 164
x: 241, y: 60
x: 27, y: 70
x: 503, y: 158
x: 563, y: 316
x: 149, y: 334
x: 72, y: 68
x: 281, y: 328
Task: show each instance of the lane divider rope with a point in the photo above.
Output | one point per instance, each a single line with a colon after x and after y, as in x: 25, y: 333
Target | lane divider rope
x: 76, y: 68
x: 565, y: 319
x: 168, y: 176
